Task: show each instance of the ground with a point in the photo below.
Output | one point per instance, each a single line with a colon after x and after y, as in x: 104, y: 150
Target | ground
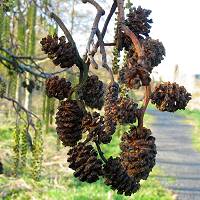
x: 57, y: 182
x: 177, y: 155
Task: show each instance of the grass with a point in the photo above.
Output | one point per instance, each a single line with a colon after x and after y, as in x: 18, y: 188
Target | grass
x: 57, y: 182
x: 193, y: 117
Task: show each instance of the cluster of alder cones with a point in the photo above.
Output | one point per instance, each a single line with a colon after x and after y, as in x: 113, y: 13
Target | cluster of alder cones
x: 73, y: 120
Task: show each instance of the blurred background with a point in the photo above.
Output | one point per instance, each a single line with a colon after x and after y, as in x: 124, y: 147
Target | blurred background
x: 44, y: 174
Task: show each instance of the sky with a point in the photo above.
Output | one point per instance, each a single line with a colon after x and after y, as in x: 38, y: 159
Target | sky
x: 176, y: 24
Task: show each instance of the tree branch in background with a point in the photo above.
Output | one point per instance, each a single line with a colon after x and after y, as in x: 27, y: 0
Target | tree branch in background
x: 104, y: 57
x: 100, y: 13
x: 79, y: 62
x: 112, y: 11
x: 29, y: 113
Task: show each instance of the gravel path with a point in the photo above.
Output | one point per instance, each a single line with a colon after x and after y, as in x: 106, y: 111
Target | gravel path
x: 176, y: 155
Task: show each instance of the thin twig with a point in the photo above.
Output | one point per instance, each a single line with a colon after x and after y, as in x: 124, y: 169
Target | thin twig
x: 20, y: 106
x: 104, y: 57
x: 142, y: 110
x: 79, y: 61
x: 101, y: 154
x: 100, y: 13
x: 112, y: 11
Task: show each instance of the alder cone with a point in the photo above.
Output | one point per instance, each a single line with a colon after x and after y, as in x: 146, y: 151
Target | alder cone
x: 139, y: 23
x: 59, y: 51
x: 170, y: 97
x: 57, y: 87
x: 138, y: 153
x: 68, y: 120
x: 83, y: 159
x: 94, y: 124
x: 116, y: 177
x: 153, y: 53
x: 135, y: 76
x: 110, y: 109
x: 92, y: 92
x: 127, y: 109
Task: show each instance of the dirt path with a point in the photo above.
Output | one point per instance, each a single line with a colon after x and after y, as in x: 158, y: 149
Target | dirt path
x: 176, y: 155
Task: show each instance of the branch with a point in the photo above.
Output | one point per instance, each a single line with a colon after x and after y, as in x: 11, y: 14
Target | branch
x: 127, y: 31
x: 100, y: 13
x: 134, y: 40
x: 20, y: 106
x: 79, y: 61
x: 103, y: 53
x: 101, y: 153
x: 143, y: 108
x: 63, y: 27
x: 112, y: 11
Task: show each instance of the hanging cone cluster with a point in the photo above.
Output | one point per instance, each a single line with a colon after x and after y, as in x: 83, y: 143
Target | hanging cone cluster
x: 127, y: 110
x: 59, y: 51
x: 2, y: 87
x: 134, y: 75
x: 68, y: 121
x: 153, y: 53
x: 92, y: 92
x: 83, y: 159
x: 138, y: 153
x: 138, y: 21
x: 94, y: 124
x: 170, y: 97
x: 110, y: 109
x: 116, y: 177
x: 58, y: 87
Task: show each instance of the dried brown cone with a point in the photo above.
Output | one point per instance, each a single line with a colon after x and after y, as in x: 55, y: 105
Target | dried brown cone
x: 153, y: 53
x: 138, y: 152
x: 116, y: 177
x: 170, y: 97
x: 57, y: 87
x: 110, y: 108
x: 83, y: 159
x: 68, y: 120
x: 59, y: 51
x: 127, y: 110
x: 138, y: 21
x: 94, y: 124
x: 135, y: 76
x: 92, y: 92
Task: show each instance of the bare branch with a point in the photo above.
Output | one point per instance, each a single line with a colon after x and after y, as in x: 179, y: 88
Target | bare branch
x: 112, y: 11
x: 100, y: 13
x: 134, y: 40
x: 103, y: 53
x: 79, y: 61
x: 20, y: 106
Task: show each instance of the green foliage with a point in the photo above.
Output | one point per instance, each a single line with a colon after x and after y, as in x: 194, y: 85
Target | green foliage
x: 21, y: 30
x: 37, y: 151
x: 44, y: 99
x: 116, y: 59
x: 16, y: 148
x: 193, y: 117
x: 23, y: 145
x: 57, y: 183
x: 31, y: 22
x: 7, y: 5
x: 47, y: 114
x: 52, y: 110
x: 2, y: 87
